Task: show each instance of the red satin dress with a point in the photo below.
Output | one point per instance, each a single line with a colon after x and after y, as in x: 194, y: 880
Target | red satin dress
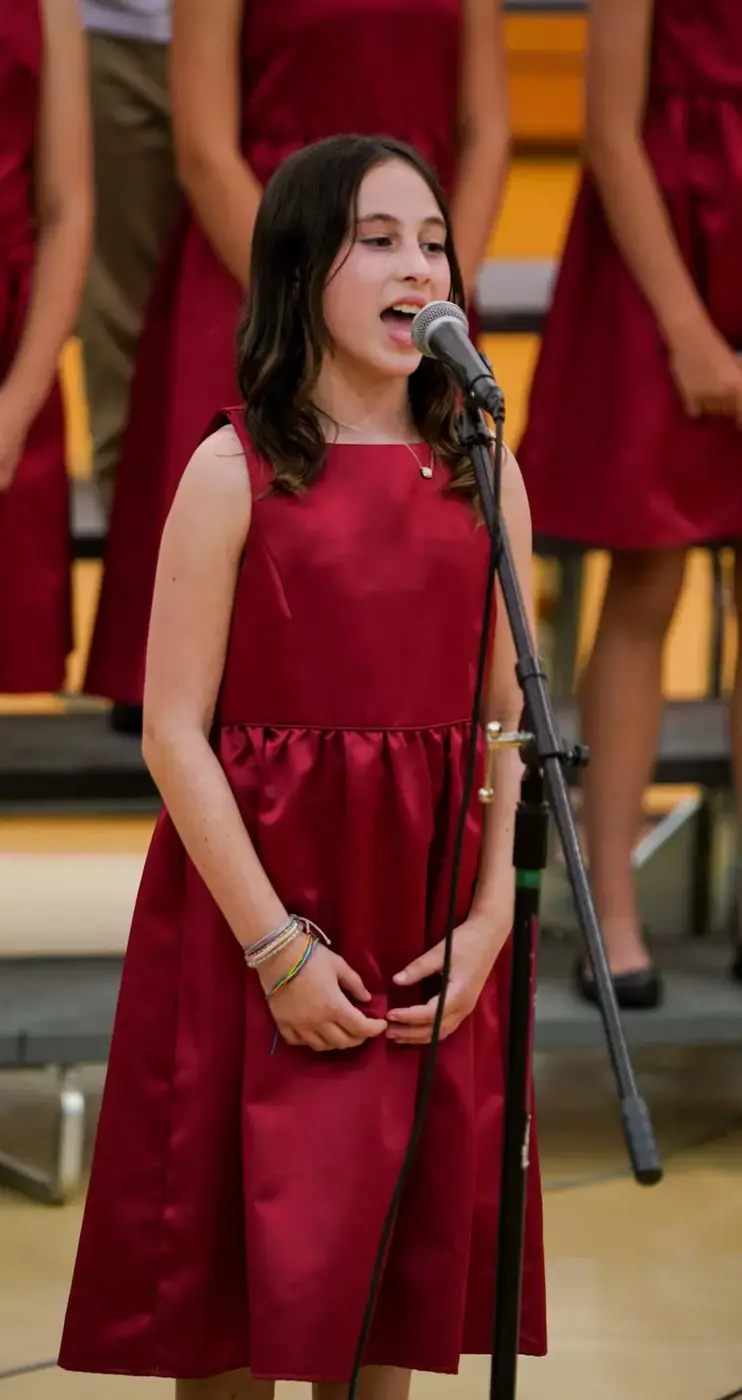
x: 35, y: 626
x: 311, y: 68
x: 237, y: 1195
x: 609, y: 456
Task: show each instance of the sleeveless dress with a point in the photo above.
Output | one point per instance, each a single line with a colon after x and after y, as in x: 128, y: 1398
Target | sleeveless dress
x: 609, y: 456
x: 35, y: 619
x: 361, y: 49
x: 237, y: 1196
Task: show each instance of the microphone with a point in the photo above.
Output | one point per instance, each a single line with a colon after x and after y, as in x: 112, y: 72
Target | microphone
x: 441, y: 331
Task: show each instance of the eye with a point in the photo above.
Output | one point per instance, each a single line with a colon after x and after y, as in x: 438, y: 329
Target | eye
x: 378, y: 240
x: 435, y: 248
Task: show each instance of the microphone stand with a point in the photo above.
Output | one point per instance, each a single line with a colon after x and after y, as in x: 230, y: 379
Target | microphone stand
x: 543, y: 788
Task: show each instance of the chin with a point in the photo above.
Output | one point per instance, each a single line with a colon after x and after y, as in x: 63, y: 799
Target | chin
x: 378, y: 363
x: 399, y: 364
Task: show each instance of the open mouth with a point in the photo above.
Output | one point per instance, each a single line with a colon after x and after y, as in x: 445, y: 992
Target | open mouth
x: 398, y: 320
x: 401, y: 314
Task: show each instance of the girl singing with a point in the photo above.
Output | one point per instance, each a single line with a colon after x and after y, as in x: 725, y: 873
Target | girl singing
x: 310, y: 676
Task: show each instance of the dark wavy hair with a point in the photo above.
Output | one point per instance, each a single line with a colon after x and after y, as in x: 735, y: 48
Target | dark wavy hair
x: 305, y: 216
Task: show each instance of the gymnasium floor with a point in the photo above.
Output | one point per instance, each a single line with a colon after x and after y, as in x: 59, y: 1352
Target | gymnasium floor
x: 644, y: 1285
x: 644, y: 1295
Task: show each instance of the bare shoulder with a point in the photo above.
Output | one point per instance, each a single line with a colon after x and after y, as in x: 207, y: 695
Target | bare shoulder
x: 215, y: 487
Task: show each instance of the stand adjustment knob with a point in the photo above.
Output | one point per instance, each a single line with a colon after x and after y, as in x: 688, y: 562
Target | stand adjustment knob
x: 496, y: 739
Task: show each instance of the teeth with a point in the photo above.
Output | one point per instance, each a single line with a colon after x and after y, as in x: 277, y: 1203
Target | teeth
x: 408, y: 307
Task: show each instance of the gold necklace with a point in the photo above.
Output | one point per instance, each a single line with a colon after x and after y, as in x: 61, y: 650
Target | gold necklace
x: 425, y: 470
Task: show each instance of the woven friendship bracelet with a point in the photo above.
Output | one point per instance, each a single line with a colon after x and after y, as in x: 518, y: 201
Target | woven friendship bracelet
x: 272, y: 943
x: 279, y: 939
x: 294, y: 971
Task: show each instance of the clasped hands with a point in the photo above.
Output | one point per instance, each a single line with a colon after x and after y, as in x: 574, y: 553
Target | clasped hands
x: 315, y: 1010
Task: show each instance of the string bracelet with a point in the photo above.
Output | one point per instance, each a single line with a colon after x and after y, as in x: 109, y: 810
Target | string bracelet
x: 280, y: 938
x: 294, y: 971
x: 272, y: 943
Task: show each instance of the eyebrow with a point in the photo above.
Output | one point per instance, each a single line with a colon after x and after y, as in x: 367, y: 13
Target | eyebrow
x: 392, y: 219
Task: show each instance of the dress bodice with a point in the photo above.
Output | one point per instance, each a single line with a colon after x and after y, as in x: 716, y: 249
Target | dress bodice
x: 376, y: 67
x: 697, y: 47
x: 331, y: 625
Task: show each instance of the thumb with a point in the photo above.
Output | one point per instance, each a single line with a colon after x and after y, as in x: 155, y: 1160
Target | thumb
x: 350, y: 980
x: 425, y: 966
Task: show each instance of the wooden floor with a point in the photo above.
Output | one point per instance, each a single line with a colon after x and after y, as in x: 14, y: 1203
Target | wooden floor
x: 644, y: 1295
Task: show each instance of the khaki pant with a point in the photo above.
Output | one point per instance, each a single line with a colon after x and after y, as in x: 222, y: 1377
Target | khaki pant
x: 137, y: 199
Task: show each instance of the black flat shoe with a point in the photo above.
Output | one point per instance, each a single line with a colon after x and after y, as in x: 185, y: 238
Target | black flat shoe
x: 635, y: 991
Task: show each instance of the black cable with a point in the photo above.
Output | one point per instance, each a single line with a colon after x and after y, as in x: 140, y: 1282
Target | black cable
x: 29, y: 1370
x: 429, y: 1070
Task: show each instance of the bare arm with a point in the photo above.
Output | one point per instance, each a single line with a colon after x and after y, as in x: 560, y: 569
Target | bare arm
x: 197, y: 573
x: 706, y: 372
x: 63, y: 208
x: 617, y: 76
x: 206, y: 97
x: 194, y: 590
x: 485, y: 134
x: 495, y: 888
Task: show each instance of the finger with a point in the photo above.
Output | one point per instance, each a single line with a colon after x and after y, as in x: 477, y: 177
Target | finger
x: 341, y: 1040
x: 415, y: 1015
x: 351, y: 981
x: 422, y: 967
x: 317, y: 1040
x: 421, y: 1035
x: 355, y: 1023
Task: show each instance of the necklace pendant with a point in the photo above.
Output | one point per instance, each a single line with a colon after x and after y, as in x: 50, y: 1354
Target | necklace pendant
x: 427, y: 472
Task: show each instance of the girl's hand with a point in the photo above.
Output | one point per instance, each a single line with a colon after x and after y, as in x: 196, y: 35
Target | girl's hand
x: 707, y: 374
x: 313, y: 1009
x: 13, y: 433
x: 476, y: 945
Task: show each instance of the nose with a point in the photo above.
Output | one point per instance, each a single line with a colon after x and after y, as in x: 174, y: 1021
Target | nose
x: 413, y: 262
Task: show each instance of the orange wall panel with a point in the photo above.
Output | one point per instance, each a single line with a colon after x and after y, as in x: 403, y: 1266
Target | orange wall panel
x: 546, y: 61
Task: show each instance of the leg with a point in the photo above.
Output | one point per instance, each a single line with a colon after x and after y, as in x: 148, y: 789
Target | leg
x: 236, y: 1385
x: 622, y: 712
x: 136, y: 202
x: 377, y: 1383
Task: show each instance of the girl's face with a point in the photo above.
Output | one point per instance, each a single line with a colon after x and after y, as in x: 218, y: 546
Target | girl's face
x: 393, y: 263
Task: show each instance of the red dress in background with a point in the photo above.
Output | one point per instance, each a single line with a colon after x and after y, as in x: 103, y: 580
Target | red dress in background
x: 35, y: 626
x: 609, y: 456
x: 237, y: 1196
x: 310, y: 68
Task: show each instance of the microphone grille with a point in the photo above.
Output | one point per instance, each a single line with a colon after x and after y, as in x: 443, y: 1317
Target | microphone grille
x: 434, y: 311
